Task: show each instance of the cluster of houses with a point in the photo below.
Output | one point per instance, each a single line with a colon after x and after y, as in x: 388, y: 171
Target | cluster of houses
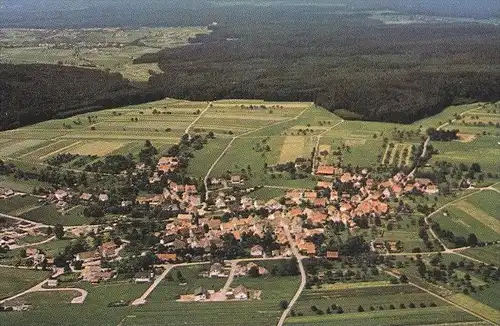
x: 92, y: 271
x: 12, y: 232
x: 305, y: 211
x: 6, y: 193
x: 239, y: 293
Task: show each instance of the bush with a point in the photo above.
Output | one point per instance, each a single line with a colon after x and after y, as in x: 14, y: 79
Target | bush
x: 402, y: 306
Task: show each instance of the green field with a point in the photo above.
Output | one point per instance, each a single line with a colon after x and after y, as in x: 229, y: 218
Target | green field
x: 10, y: 205
x: 86, y: 47
x: 427, y: 316
x: 93, y: 311
x: 49, y: 215
x: 489, y: 254
x: 373, y: 296
x: 15, y: 280
x: 477, y: 214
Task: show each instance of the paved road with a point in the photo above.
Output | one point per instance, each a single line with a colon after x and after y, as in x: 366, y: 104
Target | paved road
x: 303, y: 277
x: 230, y: 279
x: 32, y: 244
x: 157, y: 281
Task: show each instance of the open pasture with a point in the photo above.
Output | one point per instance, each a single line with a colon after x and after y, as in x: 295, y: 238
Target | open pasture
x: 99, y: 148
x: 489, y: 254
x: 13, y: 281
x: 484, y: 150
x: 474, y: 214
x: 433, y: 315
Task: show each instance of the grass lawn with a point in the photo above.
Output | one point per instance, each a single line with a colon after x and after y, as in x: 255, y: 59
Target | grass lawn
x: 15, y: 280
x: 49, y: 215
x: 268, y: 193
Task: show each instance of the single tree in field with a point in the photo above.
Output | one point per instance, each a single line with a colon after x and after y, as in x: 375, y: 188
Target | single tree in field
x: 283, y: 304
x: 360, y: 308
x: 472, y: 240
x: 59, y: 231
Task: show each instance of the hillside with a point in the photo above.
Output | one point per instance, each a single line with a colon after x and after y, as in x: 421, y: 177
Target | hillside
x: 34, y: 93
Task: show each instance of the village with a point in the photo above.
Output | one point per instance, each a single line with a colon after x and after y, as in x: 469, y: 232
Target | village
x: 198, y: 230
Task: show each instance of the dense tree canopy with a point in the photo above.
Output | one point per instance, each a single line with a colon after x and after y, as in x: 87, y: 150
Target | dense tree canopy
x: 33, y: 93
x: 348, y: 63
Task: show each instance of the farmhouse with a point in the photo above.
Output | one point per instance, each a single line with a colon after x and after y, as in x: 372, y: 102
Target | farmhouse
x: 325, y: 170
x: 143, y: 277
x: 167, y: 164
x: 240, y: 293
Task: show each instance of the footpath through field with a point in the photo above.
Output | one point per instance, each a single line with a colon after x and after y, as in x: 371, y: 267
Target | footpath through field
x: 205, y: 180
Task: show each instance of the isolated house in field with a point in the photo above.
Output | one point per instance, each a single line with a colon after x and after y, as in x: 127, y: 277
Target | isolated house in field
x: 240, y: 293
x: 52, y: 282
x: 61, y: 194
x: 143, y: 277
x: 236, y: 179
x: 200, y: 294
x: 216, y: 270
x: 256, y: 251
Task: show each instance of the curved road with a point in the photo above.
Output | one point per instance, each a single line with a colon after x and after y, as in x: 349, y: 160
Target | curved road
x: 38, y: 288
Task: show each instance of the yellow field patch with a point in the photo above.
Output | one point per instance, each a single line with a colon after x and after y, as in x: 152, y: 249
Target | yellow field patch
x: 359, y: 285
x: 475, y: 306
x: 466, y: 138
x: 355, y: 141
x: 99, y: 148
x: 479, y: 215
x: 293, y: 147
